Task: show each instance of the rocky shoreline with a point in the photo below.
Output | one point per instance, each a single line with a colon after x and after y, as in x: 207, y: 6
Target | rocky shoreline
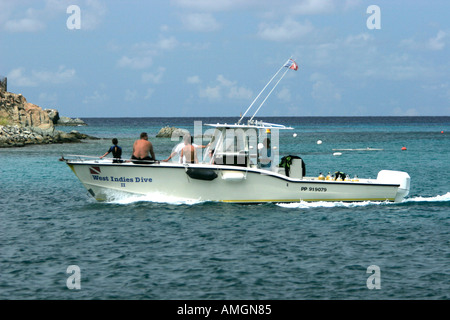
x: 16, y: 136
x: 23, y: 123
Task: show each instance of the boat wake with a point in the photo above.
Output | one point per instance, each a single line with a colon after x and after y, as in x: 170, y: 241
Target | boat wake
x: 443, y: 198
x: 125, y: 199
x: 327, y: 204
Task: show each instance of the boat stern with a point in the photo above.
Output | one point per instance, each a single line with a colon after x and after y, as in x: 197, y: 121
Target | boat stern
x: 396, y: 177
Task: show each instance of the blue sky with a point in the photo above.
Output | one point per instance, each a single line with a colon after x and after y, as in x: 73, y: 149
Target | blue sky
x: 182, y: 58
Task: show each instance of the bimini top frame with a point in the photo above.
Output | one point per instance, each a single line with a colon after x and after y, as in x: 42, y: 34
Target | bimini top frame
x: 254, y: 124
x: 290, y: 64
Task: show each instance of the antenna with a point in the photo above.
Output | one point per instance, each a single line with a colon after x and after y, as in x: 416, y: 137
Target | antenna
x: 284, y: 65
x: 269, y: 94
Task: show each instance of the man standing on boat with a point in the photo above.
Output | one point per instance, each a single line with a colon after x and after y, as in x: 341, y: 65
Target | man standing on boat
x: 179, y: 147
x: 188, y: 154
x: 141, y: 150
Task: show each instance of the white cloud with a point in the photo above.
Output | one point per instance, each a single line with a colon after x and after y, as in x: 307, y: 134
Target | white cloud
x: 24, y: 25
x: 130, y: 95
x: 210, y: 5
x: 240, y: 93
x: 225, y: 87
x: 153, y: 77
x: 141, y: 54
x: 310, y: 7
x: 361, y: 57
x: 33, y: 16
x: 203, y: 22
x: 358, y: 40
x: 224, y: 81
x: 169, y: 43
x: 193, y: 80
x: 437, y: 43
x: 211, y: 93
x: 19, y: 77
x: 288, y: 30
x: 350, y: 4
x: 92, y: 14
x: 140, y: 62
x: 95, y: 98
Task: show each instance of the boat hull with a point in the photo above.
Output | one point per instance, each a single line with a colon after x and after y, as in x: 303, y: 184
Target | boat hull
x: 106, y: 181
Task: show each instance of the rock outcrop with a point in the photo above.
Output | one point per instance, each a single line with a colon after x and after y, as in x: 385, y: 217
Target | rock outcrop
x: 58, y: 120
x: 168, y: 132
x: 65, y: 121
x: 15, y: 109
x: 53, y: 114
x: 23, y: 123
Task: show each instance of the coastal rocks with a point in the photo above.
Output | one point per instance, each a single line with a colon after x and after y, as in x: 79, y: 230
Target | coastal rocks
x: 23, y: 123
x: 16, y: 136
x: 16, y: 110
x: 168, y: 132
x: 53, y: 114
x: 58, y: 120
x: 66, y: 121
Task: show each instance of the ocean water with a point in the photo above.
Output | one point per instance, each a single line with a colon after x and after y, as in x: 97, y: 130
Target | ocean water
x: 162, y: 248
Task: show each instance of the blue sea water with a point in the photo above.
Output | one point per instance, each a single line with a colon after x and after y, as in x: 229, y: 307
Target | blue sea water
x: 146, y: 248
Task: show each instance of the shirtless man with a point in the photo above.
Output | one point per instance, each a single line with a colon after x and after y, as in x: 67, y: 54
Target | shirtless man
x: 141, y: 149
x: 188, y: 153
x: 179, y: 147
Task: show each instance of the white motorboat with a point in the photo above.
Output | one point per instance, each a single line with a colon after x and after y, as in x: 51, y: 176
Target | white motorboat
x: 243, y: 168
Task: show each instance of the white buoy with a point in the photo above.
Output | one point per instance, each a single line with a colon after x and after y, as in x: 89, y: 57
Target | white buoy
x: 319, y: 141
x: 294, y: 135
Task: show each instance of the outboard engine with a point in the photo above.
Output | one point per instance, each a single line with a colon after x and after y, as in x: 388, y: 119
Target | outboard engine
x: 396, y: 177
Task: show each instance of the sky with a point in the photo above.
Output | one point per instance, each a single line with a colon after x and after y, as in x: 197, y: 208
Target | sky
x: 202, y: 58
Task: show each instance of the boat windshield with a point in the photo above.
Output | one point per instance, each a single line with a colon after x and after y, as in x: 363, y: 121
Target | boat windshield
x: 245, y: 146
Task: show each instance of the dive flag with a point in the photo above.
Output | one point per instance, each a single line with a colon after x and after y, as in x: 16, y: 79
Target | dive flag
x: 291, y: 64
x: 95, y: 170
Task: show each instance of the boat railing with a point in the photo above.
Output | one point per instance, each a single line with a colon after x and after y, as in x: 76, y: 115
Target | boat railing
x: 79, y: 157
x: 96, y: 159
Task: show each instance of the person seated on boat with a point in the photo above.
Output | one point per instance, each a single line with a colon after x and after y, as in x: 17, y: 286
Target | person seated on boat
x: 265, y: 154
x: 180, y: 146
x: 141, y: 150
x: 339, y: 176
x: 188, y: 153
x: 115, y: 150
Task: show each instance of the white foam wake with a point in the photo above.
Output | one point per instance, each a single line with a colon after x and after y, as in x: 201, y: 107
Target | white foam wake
x: 445, y: 197
x: 327, y: 204
x: 125, y: 199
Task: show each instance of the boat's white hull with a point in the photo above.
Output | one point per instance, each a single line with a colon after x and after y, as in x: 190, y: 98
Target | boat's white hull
x: 233, y: 184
